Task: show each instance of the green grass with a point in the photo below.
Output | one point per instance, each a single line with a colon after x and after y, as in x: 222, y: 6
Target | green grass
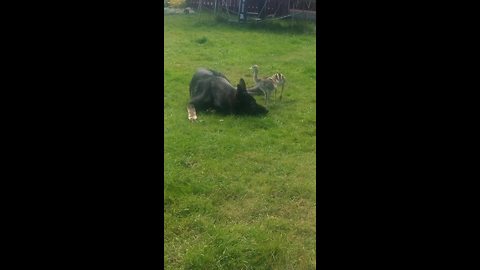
x: 239, y: 191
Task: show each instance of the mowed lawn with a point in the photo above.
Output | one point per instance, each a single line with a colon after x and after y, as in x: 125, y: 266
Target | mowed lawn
x: 239, y: 191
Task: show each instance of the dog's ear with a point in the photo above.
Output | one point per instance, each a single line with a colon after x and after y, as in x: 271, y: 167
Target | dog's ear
x: 242, y: 87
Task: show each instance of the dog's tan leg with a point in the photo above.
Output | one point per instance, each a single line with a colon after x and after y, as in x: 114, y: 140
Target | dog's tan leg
x: 192, y: 114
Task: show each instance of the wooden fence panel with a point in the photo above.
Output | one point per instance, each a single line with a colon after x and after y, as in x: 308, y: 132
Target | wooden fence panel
x: 273, y: 7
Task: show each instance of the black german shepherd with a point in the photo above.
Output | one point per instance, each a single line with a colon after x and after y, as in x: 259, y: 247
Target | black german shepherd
x: 210, y: 89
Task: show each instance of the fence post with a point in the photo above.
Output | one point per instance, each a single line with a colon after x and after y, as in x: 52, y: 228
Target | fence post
x: 242, y: 11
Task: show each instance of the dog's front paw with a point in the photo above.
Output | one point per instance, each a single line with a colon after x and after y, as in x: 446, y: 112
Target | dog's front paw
x: 192, y: 117
x: 192, y: 114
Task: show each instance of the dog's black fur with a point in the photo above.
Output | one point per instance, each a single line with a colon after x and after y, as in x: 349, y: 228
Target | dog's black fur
x: 211, y: 89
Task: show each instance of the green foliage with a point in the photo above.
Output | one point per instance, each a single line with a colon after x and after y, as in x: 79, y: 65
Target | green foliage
x: 177, y: 3
x: 239, y: 191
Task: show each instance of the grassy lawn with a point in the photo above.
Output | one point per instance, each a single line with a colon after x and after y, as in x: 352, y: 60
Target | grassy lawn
x: 239, y: 191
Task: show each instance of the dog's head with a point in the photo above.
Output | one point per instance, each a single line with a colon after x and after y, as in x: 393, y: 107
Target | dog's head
x: 246, y: 104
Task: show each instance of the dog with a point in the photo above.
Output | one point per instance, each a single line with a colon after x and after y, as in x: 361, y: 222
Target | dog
x: 210, y: 89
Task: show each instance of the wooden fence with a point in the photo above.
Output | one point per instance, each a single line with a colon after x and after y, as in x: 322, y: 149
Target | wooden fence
x: 272, y: 7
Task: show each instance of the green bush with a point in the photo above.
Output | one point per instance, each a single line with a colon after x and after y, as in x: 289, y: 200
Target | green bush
x: 177, y: 3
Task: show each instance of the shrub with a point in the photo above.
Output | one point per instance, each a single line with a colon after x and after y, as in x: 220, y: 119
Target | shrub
x: 177, y: 3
